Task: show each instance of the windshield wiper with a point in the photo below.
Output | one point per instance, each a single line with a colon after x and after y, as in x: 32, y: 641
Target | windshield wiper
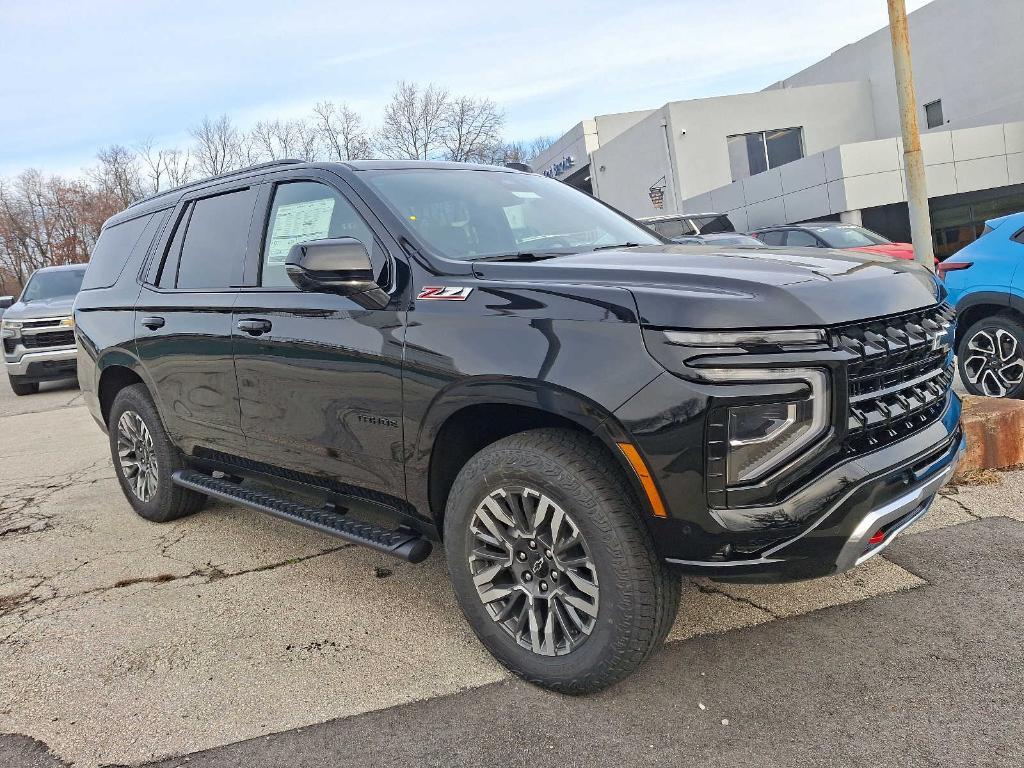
x: 616, y: 245
x: 521, y: 256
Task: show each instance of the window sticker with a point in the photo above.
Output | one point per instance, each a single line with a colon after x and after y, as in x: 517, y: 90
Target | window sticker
x: 297, y: 223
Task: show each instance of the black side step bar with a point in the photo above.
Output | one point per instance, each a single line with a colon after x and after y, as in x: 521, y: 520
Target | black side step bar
x: 403, y: 543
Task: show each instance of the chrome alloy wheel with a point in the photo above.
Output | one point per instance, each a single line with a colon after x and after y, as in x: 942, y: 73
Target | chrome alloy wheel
x: 533, y: 570
x: 136, y: 454
x: 994, y: 362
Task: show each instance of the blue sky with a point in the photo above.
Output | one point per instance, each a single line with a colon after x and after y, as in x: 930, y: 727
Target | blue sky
x: 81, y: 75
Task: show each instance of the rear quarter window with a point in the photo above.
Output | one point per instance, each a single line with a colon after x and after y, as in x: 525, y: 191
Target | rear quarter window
x: 115, y: 249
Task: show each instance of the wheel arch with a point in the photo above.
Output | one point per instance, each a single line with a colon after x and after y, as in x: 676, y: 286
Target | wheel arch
x: 116, y: 370
x: 470, y: 415
x: 975, y: 306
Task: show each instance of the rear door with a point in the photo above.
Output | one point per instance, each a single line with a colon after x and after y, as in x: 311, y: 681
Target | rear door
x: 183, y: 318
x: 320, y: 377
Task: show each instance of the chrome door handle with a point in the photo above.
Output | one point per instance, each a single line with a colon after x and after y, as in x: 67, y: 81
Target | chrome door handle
x: 153, y: 322
x: 254, y: 327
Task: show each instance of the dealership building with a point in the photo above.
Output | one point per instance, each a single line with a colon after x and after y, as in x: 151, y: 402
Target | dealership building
x: 824, y: 143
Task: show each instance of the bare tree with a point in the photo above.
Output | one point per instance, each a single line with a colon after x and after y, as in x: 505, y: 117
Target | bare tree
x: 472, y: 130
x: 279, y: 139
x: 178, y: 166
x: 539, y: 145
x: 118, y: 174
x: 413, y: 125
x: 163, y: 168
x: 217, y: 146
x: 341, y: 131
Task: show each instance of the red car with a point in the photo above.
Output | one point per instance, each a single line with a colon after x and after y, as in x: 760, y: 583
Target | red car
x: 831, y: 234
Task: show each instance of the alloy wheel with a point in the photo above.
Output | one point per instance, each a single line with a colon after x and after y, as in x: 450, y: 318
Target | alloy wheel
x: 136, y: 454
x: 994, y: 362
x: 533, y: 570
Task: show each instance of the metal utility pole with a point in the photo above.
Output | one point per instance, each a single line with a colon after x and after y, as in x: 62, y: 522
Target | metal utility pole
x: 913, y: 160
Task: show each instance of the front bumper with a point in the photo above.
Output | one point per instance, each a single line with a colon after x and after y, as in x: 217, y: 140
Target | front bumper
x: 44, y: 364
x: 841, y: 538
x: 814, y: 530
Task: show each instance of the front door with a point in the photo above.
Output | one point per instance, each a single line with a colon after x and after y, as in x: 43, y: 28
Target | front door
x: 183, y: 320
x: 319, y: 377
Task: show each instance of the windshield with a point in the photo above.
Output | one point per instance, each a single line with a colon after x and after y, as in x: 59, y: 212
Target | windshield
x: 52, y: 285
x: 849, y: 237
x: 467, y: 214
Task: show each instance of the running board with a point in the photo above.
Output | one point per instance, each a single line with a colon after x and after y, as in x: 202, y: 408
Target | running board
x: 402, y: 543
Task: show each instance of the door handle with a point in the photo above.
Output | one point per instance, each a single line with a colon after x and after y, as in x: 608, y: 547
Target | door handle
x: 153, y: 322
x: 254, y: 327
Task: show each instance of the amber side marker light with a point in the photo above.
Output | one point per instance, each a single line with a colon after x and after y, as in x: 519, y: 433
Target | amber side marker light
x: 638, y: 465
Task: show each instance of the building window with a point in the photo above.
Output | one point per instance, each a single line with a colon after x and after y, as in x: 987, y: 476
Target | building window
x: 933, y: 114
x: 752, y: 153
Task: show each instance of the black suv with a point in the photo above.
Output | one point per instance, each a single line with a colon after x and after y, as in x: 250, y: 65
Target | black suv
x: 400, y: 353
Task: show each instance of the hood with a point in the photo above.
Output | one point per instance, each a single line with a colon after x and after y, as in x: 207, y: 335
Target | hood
x: 896, y: 250
x: 708, y: 287
x: 59, y: 306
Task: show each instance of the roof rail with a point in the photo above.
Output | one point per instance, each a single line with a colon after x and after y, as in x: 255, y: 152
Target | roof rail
x: 226, y: 175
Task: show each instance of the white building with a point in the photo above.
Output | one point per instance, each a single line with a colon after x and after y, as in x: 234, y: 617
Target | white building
x: 823, y: 143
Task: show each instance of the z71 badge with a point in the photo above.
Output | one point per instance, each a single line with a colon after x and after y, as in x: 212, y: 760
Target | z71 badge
x: 444, y: 293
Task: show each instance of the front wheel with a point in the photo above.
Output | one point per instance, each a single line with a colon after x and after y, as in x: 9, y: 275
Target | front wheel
x: 21, y: 388
x: 990, y: 356
x: 552, y: 565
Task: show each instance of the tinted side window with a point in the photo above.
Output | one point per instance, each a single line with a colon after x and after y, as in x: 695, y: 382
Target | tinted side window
x: 671, y: 228
x: 213, y: 249
x: 303, y: 211
x: 1019, y: 237
x: 113, y: 250
x: 712, y: 224
x: 800, y: 238
x: 773, y: 238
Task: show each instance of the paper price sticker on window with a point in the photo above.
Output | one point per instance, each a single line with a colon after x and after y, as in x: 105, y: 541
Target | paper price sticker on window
x: 297, y: 223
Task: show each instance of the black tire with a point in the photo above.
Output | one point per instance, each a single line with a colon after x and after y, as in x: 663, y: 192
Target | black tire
x: 168, y: 501
x: 22, y: 388
x: 990, y: 357
x: 638, y: 593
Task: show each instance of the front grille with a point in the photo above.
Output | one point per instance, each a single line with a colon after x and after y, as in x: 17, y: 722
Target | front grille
x: 900, y: 372
x: 49, y: 322
x: 9, y: 346
x: 48, y: 339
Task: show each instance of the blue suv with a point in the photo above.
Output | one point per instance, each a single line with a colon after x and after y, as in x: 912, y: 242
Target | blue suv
x: 986, y: 282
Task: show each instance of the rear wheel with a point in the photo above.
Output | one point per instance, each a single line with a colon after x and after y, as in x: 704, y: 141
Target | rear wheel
x: 145, y: 458
x: 991, y: 357
x: 551, y: 564
x: 21, y: 388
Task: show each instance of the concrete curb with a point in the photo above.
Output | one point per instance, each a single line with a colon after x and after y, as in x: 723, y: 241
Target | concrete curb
x: 995, y: 433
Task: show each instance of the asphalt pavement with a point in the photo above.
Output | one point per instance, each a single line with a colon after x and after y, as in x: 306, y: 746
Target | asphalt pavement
x: 230, y: 639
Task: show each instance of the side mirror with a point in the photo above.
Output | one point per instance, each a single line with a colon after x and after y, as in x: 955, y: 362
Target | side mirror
x: 6, y: 301
x: 339, y: 265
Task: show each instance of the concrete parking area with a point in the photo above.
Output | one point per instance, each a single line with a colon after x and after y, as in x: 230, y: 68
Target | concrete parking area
x: 231, y: 639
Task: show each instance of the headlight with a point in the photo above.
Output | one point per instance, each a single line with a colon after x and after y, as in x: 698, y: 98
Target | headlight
x: 673, y: 349
x: 10, y: 328
x: 761, y: 437
x: 785, y: 337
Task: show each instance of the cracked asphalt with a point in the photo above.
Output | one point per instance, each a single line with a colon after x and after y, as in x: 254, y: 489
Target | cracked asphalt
x: 231, y: 639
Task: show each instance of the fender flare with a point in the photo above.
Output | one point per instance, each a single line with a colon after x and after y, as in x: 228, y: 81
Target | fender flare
x: 982, y: 298
x: 119, y: 357
x: 505, y: 390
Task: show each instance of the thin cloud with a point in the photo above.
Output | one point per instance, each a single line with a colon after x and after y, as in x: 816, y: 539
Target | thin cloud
x: 119, y: 71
